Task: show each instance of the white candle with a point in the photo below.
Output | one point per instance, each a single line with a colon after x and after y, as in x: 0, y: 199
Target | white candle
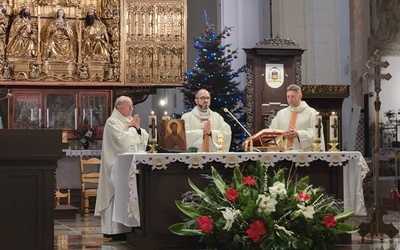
x: 31, y: 115
x: 47, y: 117
x: 83, y: 116
x: 317, y: 126
x: 153, y: 127
x: 165, y: 117
x: 398, y: 133
x: 91, y: 118
x: 333, y: 126
x: 76, y: 119
x: 40, y: 117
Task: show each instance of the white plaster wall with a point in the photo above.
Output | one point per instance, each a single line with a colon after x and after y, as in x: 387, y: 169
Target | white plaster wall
x: 249, y: 20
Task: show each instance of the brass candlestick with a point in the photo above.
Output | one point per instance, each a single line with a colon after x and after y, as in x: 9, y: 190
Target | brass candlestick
x: 317, y: 146
x: 220, y: 139
x: 334, y: 146
x: 153, y: 147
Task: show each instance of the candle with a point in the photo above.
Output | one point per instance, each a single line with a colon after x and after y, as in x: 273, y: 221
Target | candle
x: 317, y: 127
x: 165, y: 117
x: 83, y: 116
x: 91, y: 118
x: 76, y: 119
x: 398, y: 133
x: 40, y: 117
x: 153, y: 127
x: 333, y: 127
x: 47, y: 117
x: 31, y: 115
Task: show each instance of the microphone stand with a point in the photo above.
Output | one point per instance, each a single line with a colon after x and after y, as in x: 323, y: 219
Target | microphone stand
x: 236, y: 120
x: 5, y: 97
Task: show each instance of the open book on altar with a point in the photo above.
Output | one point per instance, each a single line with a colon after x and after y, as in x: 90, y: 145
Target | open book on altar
x: 266, y: 140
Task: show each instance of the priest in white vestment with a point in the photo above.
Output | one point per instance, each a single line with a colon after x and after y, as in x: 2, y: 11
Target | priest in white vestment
x: 297, y: 120
x: 122, y: 133
x: 203, y: 126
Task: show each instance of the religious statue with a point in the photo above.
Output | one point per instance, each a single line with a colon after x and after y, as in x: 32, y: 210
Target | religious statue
x: 23, y: 36
x: 59, y: 39
x: 95, y: 45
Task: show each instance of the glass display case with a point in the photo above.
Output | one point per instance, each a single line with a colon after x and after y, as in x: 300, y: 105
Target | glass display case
x: 59, y: 109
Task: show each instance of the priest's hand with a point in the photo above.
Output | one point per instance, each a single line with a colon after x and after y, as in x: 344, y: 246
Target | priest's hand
x: 207, y: 128
x: 291, y: 133
x: 135, y: 122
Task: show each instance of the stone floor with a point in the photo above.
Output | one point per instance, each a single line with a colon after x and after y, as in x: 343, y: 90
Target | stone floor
x: 80, y: 233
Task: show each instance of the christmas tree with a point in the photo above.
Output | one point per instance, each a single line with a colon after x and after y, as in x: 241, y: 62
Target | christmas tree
x: 213, y: 72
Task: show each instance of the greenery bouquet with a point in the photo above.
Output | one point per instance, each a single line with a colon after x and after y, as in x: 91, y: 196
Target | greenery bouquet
x: 258, y: 211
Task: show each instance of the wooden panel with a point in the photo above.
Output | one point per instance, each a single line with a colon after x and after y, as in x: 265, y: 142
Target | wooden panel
x: 27, y: 167
x: 158, y: 190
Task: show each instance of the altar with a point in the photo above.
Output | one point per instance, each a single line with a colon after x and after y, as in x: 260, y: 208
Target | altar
x: 147, y: 185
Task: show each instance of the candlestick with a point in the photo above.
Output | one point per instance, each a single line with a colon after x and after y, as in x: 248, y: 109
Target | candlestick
x: 47, y: 117
x: 333, y: 127
x: 31, y: 115
x: 317, y: 127
x: 76, y: 119
x: 83, y: 116
x: 91, y: 118
x: 165, y: 117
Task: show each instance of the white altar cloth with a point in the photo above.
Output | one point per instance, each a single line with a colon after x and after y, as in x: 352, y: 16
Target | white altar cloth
x: 126, y: 201
x: 82, y: 152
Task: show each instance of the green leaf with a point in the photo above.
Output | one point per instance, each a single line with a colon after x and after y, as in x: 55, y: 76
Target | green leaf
x: 179, y: 229
x: 237, y: 177
x: 189, y: 210
x: 218, y: 181
x: 346, y: 228
x: 344, y: 215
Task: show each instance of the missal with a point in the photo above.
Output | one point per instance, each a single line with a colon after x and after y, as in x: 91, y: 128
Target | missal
x: 266, y: 140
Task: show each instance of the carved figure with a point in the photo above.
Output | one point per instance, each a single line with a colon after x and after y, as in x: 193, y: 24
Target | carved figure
x: 59, y: 40
x: 23, y: 35
x: 95, y: 45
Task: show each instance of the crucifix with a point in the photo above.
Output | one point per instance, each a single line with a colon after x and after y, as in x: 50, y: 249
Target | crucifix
x: 376, y: 226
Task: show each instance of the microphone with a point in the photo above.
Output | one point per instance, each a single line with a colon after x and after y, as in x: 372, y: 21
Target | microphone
x: 7, y: 96
x: 227, y: 111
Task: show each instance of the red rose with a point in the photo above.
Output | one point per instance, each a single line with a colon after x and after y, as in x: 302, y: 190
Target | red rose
x: 205, y: 224
x: 329, y: 221
x: 231, y: 194
x: 249, y: 181
x: 303, y: 196
x: 256, y: 230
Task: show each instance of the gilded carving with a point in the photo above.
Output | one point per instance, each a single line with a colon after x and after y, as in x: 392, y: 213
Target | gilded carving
x: 324, y: 90
x: 54, y: 40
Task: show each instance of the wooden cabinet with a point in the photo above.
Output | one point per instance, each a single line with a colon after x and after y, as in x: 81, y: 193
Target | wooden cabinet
x: 28, y: 161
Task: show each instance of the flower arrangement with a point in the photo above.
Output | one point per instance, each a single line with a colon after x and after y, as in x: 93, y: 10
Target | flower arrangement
x: 258, y: 211
x: 85, y: 135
